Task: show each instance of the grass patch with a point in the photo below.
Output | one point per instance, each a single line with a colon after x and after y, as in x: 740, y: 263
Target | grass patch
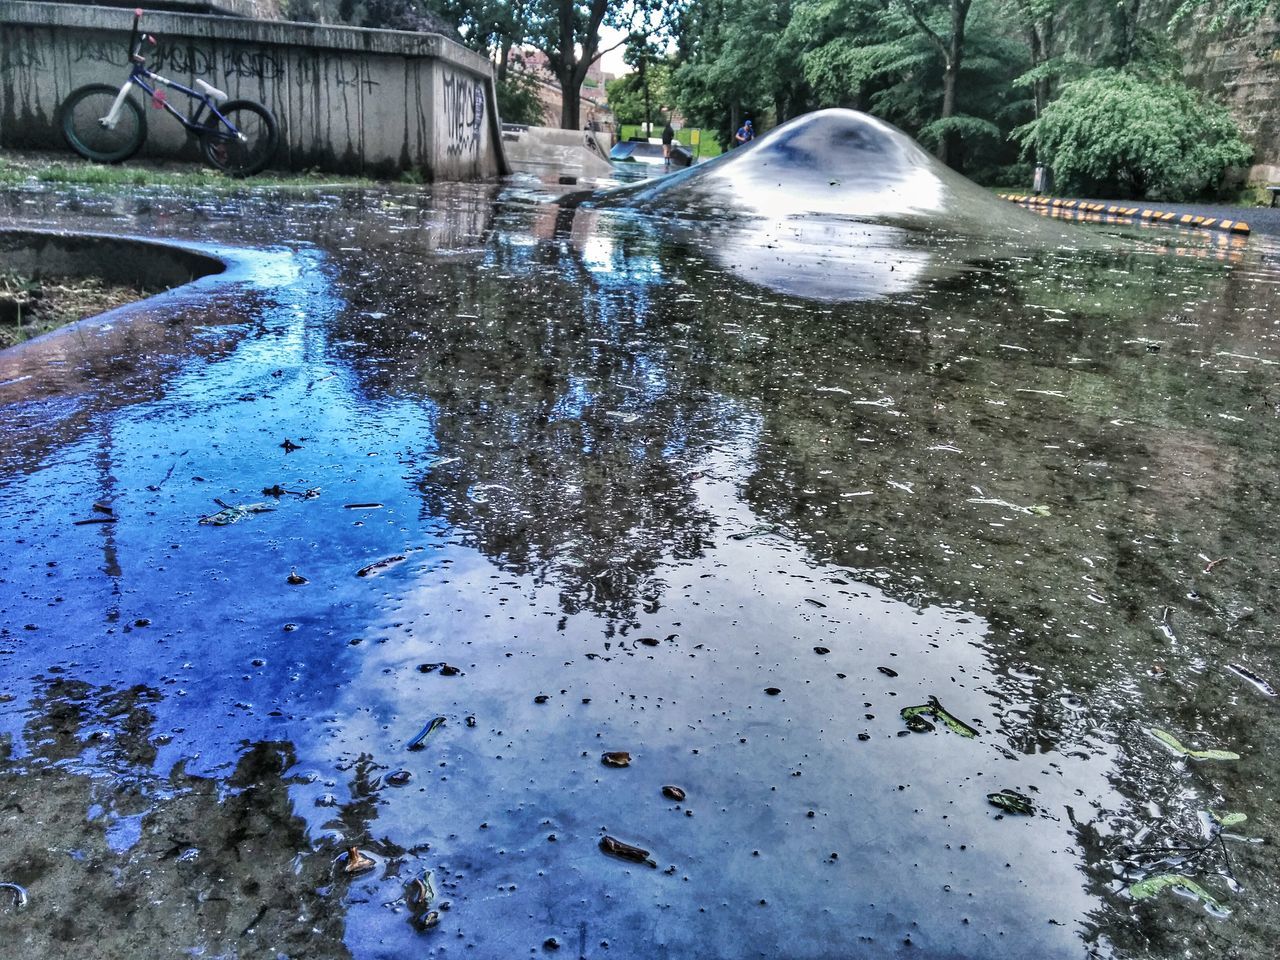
x: 30, y: 306
x: 25, y: 169
x: 708, y: 148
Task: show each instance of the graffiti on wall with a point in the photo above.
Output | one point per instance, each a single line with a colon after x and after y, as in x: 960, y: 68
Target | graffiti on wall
x: 182, y: 59
x: 97, y: 50
x: 463, y: 112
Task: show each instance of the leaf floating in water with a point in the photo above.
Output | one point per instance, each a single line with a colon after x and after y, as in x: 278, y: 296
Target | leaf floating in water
x: 19, y: 894
x: 379, y: 565
x: 1265, y: 688
x: 616, y: 848
x: 419, y: 742
x: 289, y: 446
x: 362, y: 506
x: 1010, y: 801
x: 1229, y: 819
x: 940, y: 713
x: 357, y: 862
x: 1172, y: 742
x: 759, y: 530
x: 616, y: 758
x: 772, y: 691
x: 420, y: 891
x: 888, y: 671
x: 296, y: 579
x: 673, y: 792
x: 234, y: 514
x: 821, y: 651
x: 1150, y: 887
x: 648, y: 641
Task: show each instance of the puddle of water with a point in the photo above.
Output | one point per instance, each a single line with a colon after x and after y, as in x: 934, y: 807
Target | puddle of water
x: 1027, y: 485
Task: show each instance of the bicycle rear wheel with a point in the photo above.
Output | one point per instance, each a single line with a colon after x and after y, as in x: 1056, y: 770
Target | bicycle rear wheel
x: 81, y: 118
x: 246, y: 149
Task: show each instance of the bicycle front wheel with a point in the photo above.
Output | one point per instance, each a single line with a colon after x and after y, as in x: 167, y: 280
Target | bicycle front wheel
x: 245, y: 143
x: 83, y: 118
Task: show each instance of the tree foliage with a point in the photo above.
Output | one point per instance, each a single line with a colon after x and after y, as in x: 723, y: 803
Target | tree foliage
x: 1115, y: 133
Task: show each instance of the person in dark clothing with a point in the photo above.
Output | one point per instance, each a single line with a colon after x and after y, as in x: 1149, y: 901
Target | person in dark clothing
x: 746, y: 133
x: 668, y: 136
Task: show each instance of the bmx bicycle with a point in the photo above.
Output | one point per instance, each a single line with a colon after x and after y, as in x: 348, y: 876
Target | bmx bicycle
x: 105, y: 124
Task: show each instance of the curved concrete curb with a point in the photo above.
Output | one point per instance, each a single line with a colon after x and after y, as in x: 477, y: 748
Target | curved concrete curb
x: 1129, y: 213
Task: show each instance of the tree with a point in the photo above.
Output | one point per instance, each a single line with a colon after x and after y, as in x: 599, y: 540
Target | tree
x: 1117, y: 133
x: 633, y: 95
x: 568, y: 32
x: 942, y: 23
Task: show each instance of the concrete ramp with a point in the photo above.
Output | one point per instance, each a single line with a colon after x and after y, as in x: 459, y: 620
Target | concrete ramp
x: 549, y: 151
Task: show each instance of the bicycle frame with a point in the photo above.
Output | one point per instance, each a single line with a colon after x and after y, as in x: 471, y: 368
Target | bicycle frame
x: 144, y: 79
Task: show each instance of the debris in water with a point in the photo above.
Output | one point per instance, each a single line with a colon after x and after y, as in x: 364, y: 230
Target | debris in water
x: 418, y: 742
x: 19, y: 894
x: 289, y: 446
x: 234, y: 514
x: 1246, y: 674
x: 888, y: 671
x: 1010, y: 801
x: 772, y: 691
x: 673, y: 792
x: 104, y: 508
x: 1172, y: 742
x: 296, y: 579
x: 936, y: 710
x: 821, y: 651
x: 362, y: 506
x: 918, y: 724
x: 357, y: 862
x: 379, y: 565
x: 541, y: 698
x: 616, y: 848
x: 1213, y: 563
x: 1150, y: 887
x: 399, y: 778
x: 759, y: 530
x: 616, y: 758
x: 83, y: 523
x: 551, y: 943
x: 449, y: 670
x: 1227, y: 819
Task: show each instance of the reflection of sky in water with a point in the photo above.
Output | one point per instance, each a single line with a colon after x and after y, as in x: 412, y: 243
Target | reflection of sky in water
x: 562, y: 433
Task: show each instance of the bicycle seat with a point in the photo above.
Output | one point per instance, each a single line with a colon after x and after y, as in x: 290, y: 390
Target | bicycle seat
x: 211, y: 91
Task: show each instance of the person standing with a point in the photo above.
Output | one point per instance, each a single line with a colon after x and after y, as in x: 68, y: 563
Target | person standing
x: 746, y: 133
x: 668, y: 135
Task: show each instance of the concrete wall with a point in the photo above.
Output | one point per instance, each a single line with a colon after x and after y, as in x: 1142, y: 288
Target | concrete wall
x: 373, y: 102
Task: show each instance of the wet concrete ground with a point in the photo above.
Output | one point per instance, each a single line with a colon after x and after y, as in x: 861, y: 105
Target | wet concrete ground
x: 640, y: 503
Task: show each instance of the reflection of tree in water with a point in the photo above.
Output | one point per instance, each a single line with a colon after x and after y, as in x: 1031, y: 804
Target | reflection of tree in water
x: 143, y: 864
x: 566, y: 420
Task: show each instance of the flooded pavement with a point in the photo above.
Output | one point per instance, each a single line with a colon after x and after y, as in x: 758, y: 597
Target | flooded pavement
x: 935, y: 618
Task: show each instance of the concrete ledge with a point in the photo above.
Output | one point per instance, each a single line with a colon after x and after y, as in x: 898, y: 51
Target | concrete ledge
x: 367, y: 102
x: 279, y: 32
x: 117, y: 260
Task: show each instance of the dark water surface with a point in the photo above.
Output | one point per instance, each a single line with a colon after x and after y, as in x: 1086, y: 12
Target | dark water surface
x: 632, y: 468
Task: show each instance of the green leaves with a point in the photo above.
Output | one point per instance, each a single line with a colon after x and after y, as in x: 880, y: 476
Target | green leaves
x: 1174, y: 744
x: 936, y: 710
x: 1116, y: 133
x: 1152, y: 886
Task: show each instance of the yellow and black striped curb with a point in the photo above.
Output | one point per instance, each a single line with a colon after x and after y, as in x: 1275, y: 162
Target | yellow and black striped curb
x: 1129, y: 213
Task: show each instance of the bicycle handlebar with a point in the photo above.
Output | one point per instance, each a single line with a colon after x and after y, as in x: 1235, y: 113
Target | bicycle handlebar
x: 136, y: 39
